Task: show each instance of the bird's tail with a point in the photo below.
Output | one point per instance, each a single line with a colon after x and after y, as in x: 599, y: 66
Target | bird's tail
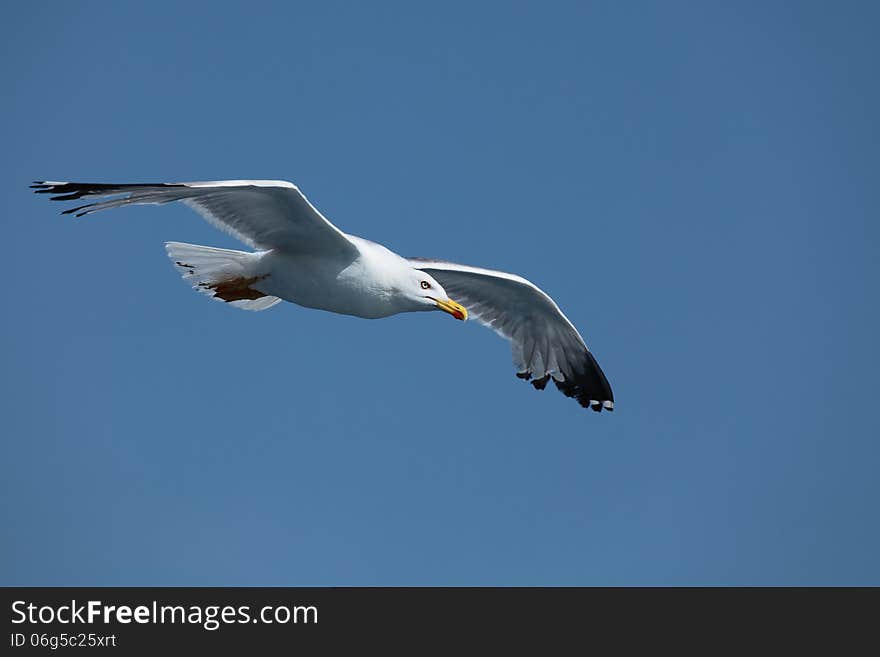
x: 223, y: 274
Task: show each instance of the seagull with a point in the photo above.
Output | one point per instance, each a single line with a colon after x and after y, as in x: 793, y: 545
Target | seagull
x: 299, y: 256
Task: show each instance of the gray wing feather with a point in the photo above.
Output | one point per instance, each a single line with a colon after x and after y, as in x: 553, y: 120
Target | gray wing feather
x: 262, y: 214
x: 545, y: 344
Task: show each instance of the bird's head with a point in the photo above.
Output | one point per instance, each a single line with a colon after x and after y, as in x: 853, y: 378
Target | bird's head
x: 427, y: 294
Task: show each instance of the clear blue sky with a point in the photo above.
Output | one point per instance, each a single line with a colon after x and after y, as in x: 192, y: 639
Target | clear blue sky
x: 696, y: 183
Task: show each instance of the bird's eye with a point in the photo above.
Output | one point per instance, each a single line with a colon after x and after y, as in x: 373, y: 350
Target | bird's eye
x: 426, y: 285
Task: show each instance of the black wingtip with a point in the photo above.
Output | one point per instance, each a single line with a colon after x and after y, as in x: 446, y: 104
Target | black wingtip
x: 586, y: 384
x: 75, y: 211
x: 541, y: 383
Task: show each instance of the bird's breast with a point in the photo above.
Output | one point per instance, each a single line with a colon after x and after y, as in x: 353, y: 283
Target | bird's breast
x: 347, y: 287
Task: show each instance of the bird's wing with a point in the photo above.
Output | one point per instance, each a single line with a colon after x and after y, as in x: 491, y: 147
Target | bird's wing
x: 264, y: 214
x: 545, y: 343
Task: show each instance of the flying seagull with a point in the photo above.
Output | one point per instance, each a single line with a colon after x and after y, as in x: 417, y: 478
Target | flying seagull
x: 299, y: 256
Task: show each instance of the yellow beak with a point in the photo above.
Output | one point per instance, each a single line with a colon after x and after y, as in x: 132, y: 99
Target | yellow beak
x: 453, y: 308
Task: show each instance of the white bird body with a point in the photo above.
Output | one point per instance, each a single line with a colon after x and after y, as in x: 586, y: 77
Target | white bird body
x: 364, y: 285
x: 299, y: 256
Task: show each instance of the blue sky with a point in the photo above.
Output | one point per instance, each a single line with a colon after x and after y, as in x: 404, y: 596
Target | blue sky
x: 696, y: 184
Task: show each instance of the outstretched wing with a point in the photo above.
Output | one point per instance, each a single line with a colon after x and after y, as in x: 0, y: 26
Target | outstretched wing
x: 264, y: 214
x: 545, y: 344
